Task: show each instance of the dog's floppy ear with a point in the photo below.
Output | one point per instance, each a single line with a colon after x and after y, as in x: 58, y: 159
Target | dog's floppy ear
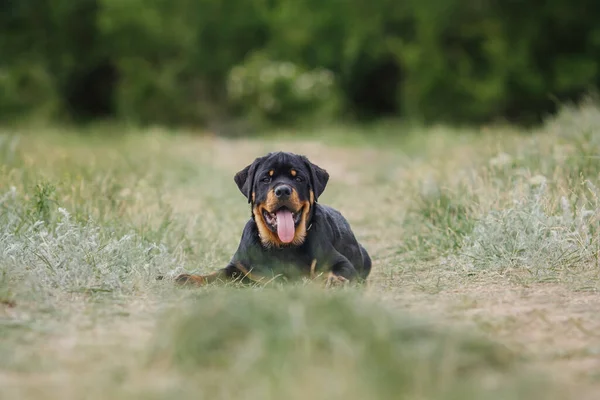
x: 318, y: 177
x: 245, y: 178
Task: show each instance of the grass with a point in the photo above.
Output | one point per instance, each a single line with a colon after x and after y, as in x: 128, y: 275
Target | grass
x: 529, y: 237
x: 491, y: 238
x: 306, y: 343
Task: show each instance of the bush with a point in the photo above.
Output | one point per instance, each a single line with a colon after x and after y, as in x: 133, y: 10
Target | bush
x: 173, y: 57
x: 281, y: 92
x: 28, y: 89
x: 169, y: 61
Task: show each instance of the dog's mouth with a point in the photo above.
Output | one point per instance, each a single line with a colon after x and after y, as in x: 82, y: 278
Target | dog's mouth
x: 283, y: 222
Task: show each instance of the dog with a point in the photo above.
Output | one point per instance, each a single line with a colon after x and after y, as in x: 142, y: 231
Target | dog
x: 289, y: 233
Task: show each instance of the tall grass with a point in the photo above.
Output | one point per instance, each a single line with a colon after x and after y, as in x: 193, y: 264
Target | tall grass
x: 532, y: 237
x: 46, y: 252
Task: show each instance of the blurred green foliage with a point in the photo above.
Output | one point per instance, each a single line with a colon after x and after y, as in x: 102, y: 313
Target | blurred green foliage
x: 169, y: 62
x: 268, y: 91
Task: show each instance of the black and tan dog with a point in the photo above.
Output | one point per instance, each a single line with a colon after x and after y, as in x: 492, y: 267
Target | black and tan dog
x: 289, y: 233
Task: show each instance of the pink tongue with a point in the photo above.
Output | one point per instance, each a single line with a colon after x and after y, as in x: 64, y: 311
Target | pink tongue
x: 285, y: 226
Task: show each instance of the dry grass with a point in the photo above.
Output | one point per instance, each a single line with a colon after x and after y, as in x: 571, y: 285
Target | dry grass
x: 493, y: 233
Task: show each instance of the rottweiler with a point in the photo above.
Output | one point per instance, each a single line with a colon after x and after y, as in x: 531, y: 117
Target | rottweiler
x: 289, y: 233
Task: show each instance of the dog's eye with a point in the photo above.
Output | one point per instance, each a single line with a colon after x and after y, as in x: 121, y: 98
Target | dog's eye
x: 266, y: 179
x: 299, y: 179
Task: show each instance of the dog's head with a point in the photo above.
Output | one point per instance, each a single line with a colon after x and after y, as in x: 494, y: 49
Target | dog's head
x: 282, y: 189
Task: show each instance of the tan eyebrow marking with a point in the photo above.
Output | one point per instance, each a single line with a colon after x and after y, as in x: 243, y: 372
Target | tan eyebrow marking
x: 271, y: 172
x: 293, y: 172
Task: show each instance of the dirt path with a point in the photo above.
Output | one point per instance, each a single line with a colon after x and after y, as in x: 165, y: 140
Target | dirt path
x: 556, y: 329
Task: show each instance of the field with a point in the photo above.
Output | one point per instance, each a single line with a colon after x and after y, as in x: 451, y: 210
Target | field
x: 485, y: 280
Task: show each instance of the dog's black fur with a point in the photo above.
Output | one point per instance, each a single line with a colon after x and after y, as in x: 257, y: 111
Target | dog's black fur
x: 323, y: 241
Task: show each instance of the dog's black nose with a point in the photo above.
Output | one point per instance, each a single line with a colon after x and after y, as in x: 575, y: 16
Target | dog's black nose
x: 283, y: 191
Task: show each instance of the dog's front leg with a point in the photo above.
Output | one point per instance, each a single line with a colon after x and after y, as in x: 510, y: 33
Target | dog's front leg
x: 200, y: 280
x: 341, y: 272
x: 233, y: 271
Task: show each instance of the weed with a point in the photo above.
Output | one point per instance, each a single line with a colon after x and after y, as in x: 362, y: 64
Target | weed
x: 43, y: 197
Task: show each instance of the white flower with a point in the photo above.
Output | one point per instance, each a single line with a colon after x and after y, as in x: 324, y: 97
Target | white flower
x: 268, y: 74
x: 287, y: 70
x: 303, y: 85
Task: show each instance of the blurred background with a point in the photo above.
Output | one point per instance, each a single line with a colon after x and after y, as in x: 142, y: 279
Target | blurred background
x: 268, y: 63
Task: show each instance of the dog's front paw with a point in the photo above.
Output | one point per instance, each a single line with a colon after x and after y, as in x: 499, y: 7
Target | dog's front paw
x: 335, y: 280
x: 187, y: 279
